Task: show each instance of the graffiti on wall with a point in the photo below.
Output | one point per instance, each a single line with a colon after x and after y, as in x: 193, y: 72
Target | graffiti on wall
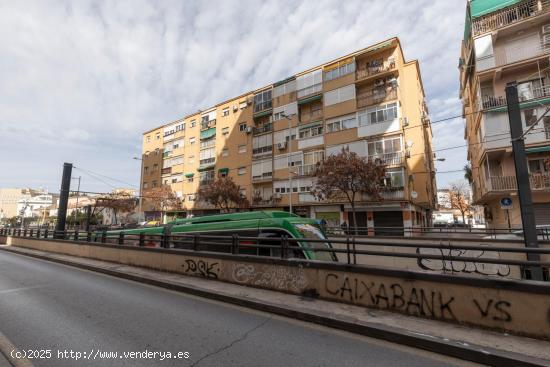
x: 457, y: 266
x: 277, y: 277
x: 415, y: 301
x: 201, y: 268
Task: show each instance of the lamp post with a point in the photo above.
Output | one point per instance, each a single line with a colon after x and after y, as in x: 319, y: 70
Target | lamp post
x: 289, y: 118
x: 140, y: 187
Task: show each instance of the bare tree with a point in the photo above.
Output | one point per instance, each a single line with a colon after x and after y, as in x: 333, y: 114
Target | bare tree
x: 119, y: 202
x: 347, y: 176
x: 459, y: 196
x: 223, y: 194
x: 162, y: 198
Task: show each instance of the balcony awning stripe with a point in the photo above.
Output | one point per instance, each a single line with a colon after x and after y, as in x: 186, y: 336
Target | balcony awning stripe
x: 310, y: 99
x: 284, y: 81
x: 189, y: 175
x: 208, y: 133
x: 262, y: 114
x: 224, y: 170
x: 312, y: 124
x: 378, y: 47
x: 545, y: 148
x: 522, y: 105
x: 479, y: 8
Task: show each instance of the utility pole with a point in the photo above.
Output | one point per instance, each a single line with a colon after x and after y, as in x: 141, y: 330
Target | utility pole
x: 522, y: 178
x: 77, y: 196
x: 63, y: 200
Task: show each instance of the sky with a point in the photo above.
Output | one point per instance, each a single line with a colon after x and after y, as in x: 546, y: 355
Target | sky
x: 80, y: 81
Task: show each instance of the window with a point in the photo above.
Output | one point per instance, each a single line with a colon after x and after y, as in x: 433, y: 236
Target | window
x: 394, y: 177
x: 206, y: 176
x: 341, y: 123
x: 192, y: 140
x: 242, y: 126
x: 339, y: 70
x: 191, y: 159
x: 177, y: 178
x: 207, y: 143
x: 190, y: 179
x: 148, y: 138
x: 281, y: 136
x: 225, y: 152
x: 242, y: 192
x: 241, y: 171
x: 530, y: 90
x: 262, y: 101
x: 190, y: 197
x: 378, y: 147
x: 225, y: 131
x: 379, y: 114
x: 146, y: 169
x: 177, y: 144
x: 309, y: 83
x: 282, y: 161
x: 339, y: 95
x: 242, y: 105
x: 225, y: 112
x: 288, y: 110
x: 311, y: 132
x: 207, y: 156
x: 242, y: 148
x: 155, y: 167
x: 537, y: 166
x: 155, y: 184
x: 262, y: 144
x: 262, y: 169
x: 530, y: 116
x: 359, y: 147
x: 285, y: 88
x: 193, y: 123
x: 145, y: 185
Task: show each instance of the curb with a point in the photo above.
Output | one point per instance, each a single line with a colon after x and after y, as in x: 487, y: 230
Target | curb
x: 461, y: 350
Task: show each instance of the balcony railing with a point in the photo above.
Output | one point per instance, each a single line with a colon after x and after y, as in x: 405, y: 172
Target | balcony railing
x: 208, y: 124
x: 166, y: 171
x: 505, y: 56
x: 263, y: 151
x: 311, y: 116
x: 489, y: 102
x: 388, y: 159
x: 537, y: 181
x: 375, y: 96
x: 263, y: 129
x: 306, y: 169
x: 207, y: 161
x: 258, y: 107
x: 264, y: 176
x: 510, y: 15
x: 365, y: 70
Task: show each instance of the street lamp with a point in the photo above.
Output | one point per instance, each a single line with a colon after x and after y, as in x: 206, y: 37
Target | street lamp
x: 289, y: 118
x: 140, y: 187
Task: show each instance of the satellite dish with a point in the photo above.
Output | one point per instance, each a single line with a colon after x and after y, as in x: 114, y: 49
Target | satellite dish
x: 414, y: 194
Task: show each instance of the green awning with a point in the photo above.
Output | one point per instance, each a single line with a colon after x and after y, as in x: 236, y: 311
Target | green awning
x: 545, y: 148
x: 310, y: 99
x: 522, y: 105
x: 224, y: 171
x: 208, y: 133
x: 379, y: 46
x: 284, y: 81
x: 189, y: 175
x: 312, y: 124
x: 479, y: 8
x: 262, y: 114
x: 206, y: 167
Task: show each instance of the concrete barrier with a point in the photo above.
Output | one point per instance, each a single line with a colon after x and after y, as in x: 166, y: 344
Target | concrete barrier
x: 520, y: 307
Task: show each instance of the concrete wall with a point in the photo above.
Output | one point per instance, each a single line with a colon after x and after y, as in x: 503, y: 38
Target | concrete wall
x: 507, y: 305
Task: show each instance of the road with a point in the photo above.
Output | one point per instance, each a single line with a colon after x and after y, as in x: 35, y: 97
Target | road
x: 51, y: 306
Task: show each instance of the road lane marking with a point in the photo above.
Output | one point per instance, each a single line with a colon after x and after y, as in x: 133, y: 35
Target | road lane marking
x: 7, y: 348
x: 2, y: 291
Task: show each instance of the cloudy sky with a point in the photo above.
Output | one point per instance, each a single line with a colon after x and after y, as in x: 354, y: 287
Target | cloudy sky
x: 81, y: 80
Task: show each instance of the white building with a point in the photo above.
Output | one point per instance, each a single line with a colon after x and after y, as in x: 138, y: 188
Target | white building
x: 30, y: 205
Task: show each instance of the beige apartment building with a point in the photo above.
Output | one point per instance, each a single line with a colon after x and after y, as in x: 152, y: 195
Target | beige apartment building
x: 506, y: 41
x: 270, y: 139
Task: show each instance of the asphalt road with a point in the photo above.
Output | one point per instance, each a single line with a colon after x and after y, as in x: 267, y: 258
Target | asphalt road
x: 50, y: 306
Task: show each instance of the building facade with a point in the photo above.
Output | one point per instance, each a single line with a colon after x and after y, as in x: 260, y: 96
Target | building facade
x: 269, y: 140
x: 504, y: 42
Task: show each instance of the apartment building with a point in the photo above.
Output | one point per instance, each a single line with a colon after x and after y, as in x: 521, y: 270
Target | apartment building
x: 504, y: 42
x: 270, y: 139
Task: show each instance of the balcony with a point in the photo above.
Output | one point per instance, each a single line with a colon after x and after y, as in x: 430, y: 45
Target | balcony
x: 167, y: 154
x: 262, y: 106
x: 376, y: 96
x: 505, y: 56
x: 306, y: 169
x: 311, y: 116
x: 266, y: 176
x: 311, y: 142
x: 373, y: 68
x: 208, y: 124
x: 532, y: 93
x: 510, y: 15
x: 166, y: 171
x: 207, y: 162
x: 537, y: 181
x: 389, y: 193
x: 265, y: 128
x: 388, y: 159
x: 262, y: 152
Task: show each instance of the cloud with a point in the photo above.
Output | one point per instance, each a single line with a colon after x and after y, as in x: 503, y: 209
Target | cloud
x: 82, y: 80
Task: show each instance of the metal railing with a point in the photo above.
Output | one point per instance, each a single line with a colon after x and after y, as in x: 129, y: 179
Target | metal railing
x: 311, y: 116
x: 366, y: 70
x: 500, y: 101
x: 509, y: 15
x: 388, y: 158
x: 537, y: 181
x: 371, y: 97
x: 265, y: 128
x: 496, y: 259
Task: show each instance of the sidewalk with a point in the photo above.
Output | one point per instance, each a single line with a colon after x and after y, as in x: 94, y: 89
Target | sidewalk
x: 481, y: 346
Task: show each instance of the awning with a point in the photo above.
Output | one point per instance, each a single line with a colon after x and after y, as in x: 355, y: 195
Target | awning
x: 189, y: 175
x: 337, y: 64
x: 204, y: 168
x: 310, y: 99
x: 224, y: 171
x: 545, y: 148
x: 379, y: 46
x: 479, y: 8
x: 262, y: 114
x: 284, y: 81
x: 205, y: 134
x: 312, y: 124
x: 522, y: 105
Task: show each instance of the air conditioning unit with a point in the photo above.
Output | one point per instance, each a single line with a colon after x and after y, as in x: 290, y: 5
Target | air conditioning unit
x: 379, y: 82
x: 281, y: 145
x: 277, y: 195
x: 405, y: 121
x: 235, y: 108
x: 249, y: 100
x: 249, y: 130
